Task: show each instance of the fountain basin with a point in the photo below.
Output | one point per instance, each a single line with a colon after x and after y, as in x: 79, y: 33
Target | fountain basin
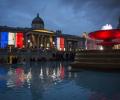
x: 96, y: 59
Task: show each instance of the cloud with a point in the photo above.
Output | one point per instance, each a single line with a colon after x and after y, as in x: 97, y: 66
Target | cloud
x: 71, y: 16
x: 98, y: 12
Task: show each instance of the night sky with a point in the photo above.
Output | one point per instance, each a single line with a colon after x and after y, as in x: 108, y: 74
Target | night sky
x: 70, y: 16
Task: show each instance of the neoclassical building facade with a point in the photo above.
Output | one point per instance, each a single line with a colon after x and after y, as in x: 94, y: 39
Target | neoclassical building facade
x: 39, y: 37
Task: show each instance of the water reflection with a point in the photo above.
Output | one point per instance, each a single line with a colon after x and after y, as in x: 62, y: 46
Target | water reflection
x: 102, y: 86
x: 3, y: 73
x: 17, y: 77
x: 53, y: 81
x: 45, y: 76
x: 53, y: 74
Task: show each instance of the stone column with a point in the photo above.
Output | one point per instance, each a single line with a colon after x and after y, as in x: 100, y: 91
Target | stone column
x: 38, y: 41
x: 65, y: 44
x: 51, y: 41
x: 44, y: 41
x: 33, y: 40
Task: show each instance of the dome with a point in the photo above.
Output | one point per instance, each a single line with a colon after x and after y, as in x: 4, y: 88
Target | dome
x: 37, y: 23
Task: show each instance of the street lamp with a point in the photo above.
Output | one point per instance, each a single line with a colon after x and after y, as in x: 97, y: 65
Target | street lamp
x: 28, y: 43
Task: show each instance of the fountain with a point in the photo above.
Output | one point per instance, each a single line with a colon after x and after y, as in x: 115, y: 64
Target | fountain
x: 107, y: 35
x: 105, y: 59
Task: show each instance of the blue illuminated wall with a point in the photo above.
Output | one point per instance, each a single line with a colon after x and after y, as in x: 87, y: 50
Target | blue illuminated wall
x: 4, y: 39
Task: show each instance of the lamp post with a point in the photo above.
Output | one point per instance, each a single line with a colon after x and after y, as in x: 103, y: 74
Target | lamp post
x: 10, y: 54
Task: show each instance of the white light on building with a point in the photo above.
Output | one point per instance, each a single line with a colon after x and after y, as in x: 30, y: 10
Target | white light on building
x: 53, y: 43
x: 60, y: 49
x: 11, y: 38
x: 48, y: 45
x: 28, y: 41
x: 101, y: 48
x: 41, y: 45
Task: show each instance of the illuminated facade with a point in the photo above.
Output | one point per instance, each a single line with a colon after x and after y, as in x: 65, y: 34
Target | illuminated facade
x: 14, y: 39
x: 39, y: 37
x: 4, y: 39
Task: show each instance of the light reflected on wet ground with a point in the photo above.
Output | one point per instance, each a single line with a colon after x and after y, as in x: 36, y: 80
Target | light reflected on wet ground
x: 53, y: 81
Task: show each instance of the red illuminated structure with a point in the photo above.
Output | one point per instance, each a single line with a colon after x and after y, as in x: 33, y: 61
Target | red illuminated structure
x: 19, y: 40
x: 107, y: 36
x: 62, y: 43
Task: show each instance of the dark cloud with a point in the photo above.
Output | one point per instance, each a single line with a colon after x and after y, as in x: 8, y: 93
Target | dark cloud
x: 94, y: 3
x: 71, y: 16
x: 98, y: 12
